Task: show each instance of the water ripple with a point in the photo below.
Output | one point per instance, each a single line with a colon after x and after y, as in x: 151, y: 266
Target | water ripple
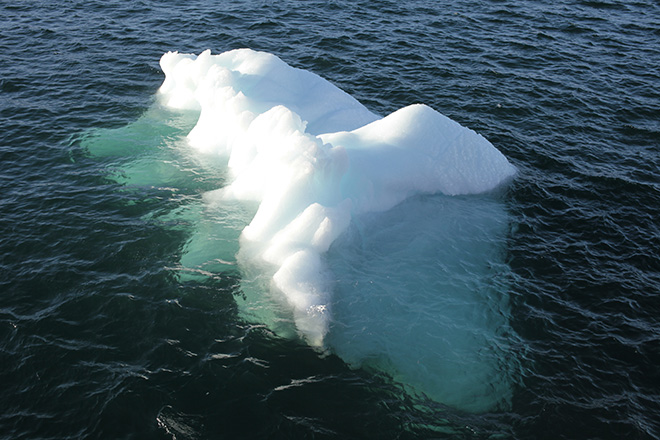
x: 94, y: 327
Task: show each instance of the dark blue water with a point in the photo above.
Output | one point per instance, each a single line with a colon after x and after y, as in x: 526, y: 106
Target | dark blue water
x: 99, y: 337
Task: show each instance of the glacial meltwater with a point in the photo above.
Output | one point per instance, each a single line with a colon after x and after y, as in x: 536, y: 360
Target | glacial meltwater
x: 330, y: 220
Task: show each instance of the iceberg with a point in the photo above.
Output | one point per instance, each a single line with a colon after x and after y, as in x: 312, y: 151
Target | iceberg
x: 373, y: 238
x: 312, y: 156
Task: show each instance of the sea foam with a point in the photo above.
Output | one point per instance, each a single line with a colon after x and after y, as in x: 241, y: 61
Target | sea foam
x: 316, y: 165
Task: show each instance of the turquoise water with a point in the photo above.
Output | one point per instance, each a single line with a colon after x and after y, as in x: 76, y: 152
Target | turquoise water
x: 123, y: 308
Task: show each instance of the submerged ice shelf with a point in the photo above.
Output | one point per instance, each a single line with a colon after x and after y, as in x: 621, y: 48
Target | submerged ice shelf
x: 368, y: 236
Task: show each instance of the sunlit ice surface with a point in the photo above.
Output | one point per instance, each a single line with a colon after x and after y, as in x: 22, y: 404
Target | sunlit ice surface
x: 379, y: 239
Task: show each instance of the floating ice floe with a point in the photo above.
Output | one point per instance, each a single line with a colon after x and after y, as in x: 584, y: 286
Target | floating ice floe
x: 365, y: 235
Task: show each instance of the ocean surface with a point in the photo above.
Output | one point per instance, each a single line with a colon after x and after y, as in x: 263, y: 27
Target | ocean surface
x: 113, y: 326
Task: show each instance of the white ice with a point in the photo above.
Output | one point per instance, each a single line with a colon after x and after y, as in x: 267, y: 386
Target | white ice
x: 318, y: 164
